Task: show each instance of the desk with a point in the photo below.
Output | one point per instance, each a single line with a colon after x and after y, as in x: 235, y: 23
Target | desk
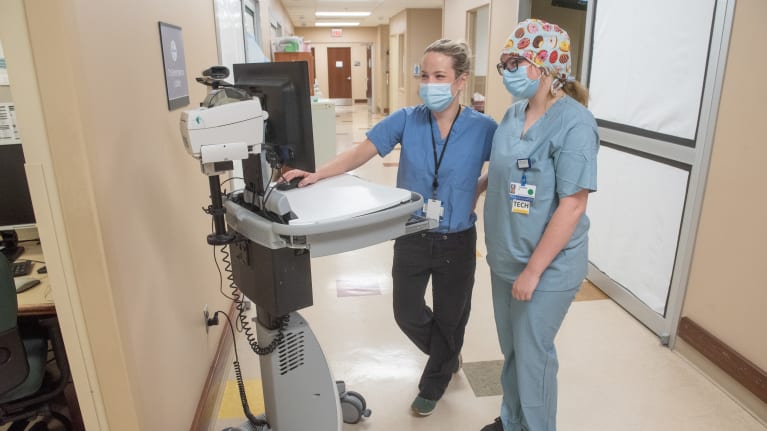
x: 37, y: 302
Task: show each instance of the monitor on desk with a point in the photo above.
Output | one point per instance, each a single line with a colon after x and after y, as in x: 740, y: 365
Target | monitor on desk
x: 15, y: 202
x: 283, y: 90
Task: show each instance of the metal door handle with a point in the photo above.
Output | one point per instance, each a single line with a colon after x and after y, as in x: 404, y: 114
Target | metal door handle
x: 349, y: 78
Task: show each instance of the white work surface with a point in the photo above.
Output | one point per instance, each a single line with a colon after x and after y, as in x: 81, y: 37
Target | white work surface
x: 340, y: 198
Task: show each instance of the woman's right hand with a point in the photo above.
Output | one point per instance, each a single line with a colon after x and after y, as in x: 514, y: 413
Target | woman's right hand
x: 308, y: 177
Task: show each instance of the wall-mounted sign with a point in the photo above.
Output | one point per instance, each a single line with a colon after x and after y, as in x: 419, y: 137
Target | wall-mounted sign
x: 174, y: 65
x: 336, y: 32
x: 339, y: 64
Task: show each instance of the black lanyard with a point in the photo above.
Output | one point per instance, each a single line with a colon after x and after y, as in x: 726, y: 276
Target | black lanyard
x: 438, y: 162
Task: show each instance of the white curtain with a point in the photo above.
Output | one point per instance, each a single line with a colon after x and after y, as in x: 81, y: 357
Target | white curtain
x: 635, y: 218
x: 648, y: 63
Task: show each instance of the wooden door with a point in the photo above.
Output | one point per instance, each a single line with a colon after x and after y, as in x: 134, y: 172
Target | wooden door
x: 340, y: 73
x: 308, y: 57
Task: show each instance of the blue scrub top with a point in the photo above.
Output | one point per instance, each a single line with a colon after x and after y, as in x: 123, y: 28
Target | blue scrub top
x: 562, y: 146
x: 467, y: 149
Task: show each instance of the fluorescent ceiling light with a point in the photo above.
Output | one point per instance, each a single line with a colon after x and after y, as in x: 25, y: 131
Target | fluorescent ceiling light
x: 336, y: 24
x: 342, y: 14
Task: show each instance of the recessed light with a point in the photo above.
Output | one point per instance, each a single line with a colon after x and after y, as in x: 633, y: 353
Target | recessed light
x: 341, y: 14
x: 336, y: 24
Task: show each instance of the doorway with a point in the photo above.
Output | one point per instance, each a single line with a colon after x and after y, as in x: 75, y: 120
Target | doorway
x: 653, y: 159
x: 340, y: 75
x: 478, y: 39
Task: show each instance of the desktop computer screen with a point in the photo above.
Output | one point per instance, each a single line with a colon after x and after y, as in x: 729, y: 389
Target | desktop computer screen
x: 283, y: 89
x: 15, y: 202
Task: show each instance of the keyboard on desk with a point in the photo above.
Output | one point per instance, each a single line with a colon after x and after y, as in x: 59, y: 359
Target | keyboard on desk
x: 21, y: 267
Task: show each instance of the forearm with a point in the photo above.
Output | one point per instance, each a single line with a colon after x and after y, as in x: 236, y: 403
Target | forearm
x: 482, y: 184
x: 558, y: 232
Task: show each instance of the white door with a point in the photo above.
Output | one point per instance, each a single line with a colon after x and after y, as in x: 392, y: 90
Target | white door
x: 655, y: 71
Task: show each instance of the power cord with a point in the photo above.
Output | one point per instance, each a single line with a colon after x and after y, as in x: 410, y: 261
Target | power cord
x: 238, y: 375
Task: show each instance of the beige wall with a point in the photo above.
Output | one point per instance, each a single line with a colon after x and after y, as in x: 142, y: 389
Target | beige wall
x: 424, y: 26
x: 572, y: 20
x: 119, y: 201
x: 503, y: 16
x: 727, y: 291
x: 272, y: 10
x: 416, y: 29
x: 397, y: 28
x: 381, y: 73
x: 357, y: 39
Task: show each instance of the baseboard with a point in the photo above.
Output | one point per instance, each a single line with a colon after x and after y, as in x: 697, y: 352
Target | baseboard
x: 736, y: 375
x: 360, y: 100
x: 205, y: 415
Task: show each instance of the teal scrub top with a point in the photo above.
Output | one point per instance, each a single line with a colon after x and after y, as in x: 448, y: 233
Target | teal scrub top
x: 562, y: 147
x: 468, y: 148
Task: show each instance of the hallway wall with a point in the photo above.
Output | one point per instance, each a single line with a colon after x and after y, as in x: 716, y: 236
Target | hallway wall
x: 355, y: 38
x: 727, y: 291
x: 502, y: 19
x: 119, y: 201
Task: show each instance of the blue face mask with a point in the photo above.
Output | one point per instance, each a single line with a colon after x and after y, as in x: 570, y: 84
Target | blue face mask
x: 518, y: 84
x: 436, y: 97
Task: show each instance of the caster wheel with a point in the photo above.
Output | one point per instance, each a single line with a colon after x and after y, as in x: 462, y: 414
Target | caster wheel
x: 353, y: 407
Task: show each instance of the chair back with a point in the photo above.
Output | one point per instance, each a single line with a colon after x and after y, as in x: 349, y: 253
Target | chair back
x: 13, y: 358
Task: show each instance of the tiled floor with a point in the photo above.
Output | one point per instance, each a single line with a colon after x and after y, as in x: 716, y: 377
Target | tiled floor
x: 614, y: 374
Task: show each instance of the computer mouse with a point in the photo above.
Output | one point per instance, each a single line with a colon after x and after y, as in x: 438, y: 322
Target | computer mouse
x: 289, y: 185
x: 25, y: 283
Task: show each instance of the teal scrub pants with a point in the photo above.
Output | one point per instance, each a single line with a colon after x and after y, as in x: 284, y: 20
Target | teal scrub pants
x: 526, y: 331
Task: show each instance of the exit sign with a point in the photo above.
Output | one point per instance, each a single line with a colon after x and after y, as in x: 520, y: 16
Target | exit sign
x: 336, y: 32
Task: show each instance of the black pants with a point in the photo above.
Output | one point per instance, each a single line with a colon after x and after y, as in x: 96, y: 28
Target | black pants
x: 450, y: 260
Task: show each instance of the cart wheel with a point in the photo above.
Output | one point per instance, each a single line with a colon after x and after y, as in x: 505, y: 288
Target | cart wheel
x: 353, y: 407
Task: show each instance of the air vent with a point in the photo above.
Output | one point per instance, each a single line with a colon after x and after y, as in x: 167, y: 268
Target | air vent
x: 291, y: 352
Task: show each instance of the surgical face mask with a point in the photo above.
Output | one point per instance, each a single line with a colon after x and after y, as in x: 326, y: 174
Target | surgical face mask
x: 436, y: 97
x: 518, y: 84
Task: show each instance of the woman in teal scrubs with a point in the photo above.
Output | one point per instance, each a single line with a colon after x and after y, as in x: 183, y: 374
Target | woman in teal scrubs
x: 542, y: 168
x: 443, y: 148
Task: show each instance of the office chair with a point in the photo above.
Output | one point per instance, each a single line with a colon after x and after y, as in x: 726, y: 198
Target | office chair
x: 26, y: 390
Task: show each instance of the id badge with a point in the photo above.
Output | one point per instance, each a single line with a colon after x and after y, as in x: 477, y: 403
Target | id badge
x: 522, y: 197
x: 433, y: 209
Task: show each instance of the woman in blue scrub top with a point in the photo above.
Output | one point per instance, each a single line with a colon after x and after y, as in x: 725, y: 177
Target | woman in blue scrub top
x: 542, y: 168
x: 443, y: 148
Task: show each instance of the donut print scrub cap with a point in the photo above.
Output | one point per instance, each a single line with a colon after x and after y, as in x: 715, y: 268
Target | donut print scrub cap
x: 545, y: 44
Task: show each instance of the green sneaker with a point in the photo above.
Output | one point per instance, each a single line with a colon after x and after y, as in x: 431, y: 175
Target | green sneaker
x: 422, y: 406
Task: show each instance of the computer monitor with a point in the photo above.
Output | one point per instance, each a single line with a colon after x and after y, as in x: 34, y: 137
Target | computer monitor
x: 283, y: 89
x: 15, y: 203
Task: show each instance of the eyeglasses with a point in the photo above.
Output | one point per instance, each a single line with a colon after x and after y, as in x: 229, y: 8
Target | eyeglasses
x: 511, y: 64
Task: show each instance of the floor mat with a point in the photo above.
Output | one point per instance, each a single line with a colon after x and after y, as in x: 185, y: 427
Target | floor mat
x: 484, y: 377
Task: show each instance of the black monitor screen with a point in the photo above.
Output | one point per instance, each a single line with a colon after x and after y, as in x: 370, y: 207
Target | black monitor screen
x: 283, y: 89
x: 15, y: 202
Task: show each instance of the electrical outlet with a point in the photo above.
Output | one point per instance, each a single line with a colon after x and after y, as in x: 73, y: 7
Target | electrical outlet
x: 206, y: 322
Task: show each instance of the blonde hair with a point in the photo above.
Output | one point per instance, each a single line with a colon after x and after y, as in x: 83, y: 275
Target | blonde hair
x: 577, y: 91
x: 570, y: 86
x: 458, y: 51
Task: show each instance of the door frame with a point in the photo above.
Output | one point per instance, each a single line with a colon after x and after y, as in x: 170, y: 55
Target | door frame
x: 698, y: 158
x: 665, y: 326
